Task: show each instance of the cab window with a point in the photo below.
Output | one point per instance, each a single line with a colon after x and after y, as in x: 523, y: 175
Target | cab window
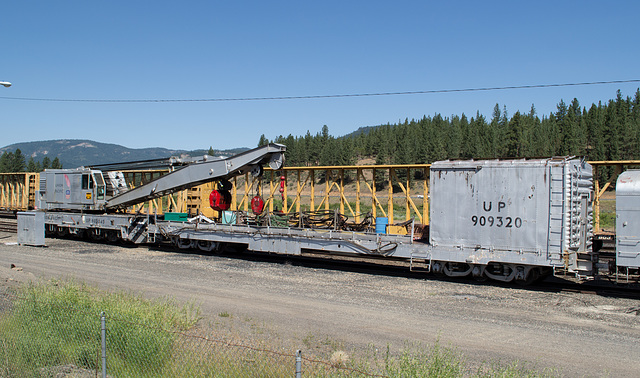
x: 99, y: 180
x: 87, y: 183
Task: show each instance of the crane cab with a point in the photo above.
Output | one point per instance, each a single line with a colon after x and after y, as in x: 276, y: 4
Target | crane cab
x: 79, y: 189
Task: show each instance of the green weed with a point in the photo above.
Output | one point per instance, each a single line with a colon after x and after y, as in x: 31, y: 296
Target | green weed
x: 58, y: 324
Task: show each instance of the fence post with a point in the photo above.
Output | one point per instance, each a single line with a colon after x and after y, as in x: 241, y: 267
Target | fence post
x: 298, y: 364
x: 103, y: 335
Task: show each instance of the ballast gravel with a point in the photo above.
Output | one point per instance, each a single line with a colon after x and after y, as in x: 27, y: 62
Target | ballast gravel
x: 320, y: 306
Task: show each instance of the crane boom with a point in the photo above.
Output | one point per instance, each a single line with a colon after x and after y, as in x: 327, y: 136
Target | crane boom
x: 202, y: 172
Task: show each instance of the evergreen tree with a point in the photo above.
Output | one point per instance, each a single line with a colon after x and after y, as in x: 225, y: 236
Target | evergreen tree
x: 613, y: 135
x: 623, y: 114
x: 564, y: 126
x: 325, y: 132
x: 263, y: 141
x: 31, y: 165
x: 5, y: 162
x: 573, y: 135
x: 493, y: 134
x: 55, y: 164
x: 595, y: 147
x: 481, y: 127
x: 310, y: 153
x: 468, y: 138
x: 329, y: 153
x: 601, y: 132
x: 553, y: 145
x: 501, y: 132
x: 292, y: 154
x: 404, y: 153
x: 635, y: 122
x: 453, y: 139
x: 530, y: 123
x: 46, y: 163
x: 19, y: 163
x: 514, y: 139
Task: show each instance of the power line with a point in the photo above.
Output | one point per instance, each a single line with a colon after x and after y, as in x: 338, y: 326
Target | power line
x: 311, y: 97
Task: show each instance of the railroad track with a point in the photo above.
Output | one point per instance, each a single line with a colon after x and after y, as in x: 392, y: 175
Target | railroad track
x: 559, y: 284
x: 8, y: 225
x: 605, y: 286
x: 608, y: 289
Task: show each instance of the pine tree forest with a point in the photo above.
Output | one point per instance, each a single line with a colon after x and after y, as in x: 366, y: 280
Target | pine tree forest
x: 11, y: 162
x: 608, y: 131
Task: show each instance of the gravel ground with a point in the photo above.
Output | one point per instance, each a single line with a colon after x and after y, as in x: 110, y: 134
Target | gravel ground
x: 310, y: 307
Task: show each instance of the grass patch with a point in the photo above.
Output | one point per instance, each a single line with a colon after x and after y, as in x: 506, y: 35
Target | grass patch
x: 58, y: 323
x: 608, y: 221
x: 417, y: 361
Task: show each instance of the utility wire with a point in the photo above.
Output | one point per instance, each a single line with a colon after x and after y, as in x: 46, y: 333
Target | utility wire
x: 311, y: 97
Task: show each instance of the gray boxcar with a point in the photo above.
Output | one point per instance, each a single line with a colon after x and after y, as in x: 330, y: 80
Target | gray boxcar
x: 628, y: 219
x: 530, y: 212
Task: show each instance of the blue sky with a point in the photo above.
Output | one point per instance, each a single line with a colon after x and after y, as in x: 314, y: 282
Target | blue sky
x: 160, y: 50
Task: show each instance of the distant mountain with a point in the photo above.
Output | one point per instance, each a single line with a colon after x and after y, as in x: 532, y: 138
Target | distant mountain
x: 80, y: 152
x: 361, y: 130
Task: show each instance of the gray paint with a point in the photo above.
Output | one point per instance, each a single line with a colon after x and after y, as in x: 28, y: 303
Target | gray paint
x: 540, y: 216
x: 536, y: 210
x: 62, y: 189
x: 31, y: 228
x: 628, y: 219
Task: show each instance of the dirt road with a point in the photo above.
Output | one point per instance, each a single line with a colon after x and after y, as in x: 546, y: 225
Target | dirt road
x: 580, y: 334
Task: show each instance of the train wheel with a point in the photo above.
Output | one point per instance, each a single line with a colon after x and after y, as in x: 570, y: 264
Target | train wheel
x: 95, y: 234
x: 532, y: 276
x: 478, y: 273
x: 183, y: 243
x: 206, y: 246
x: 62, y: 231
x: 112, y: 236
x: 78, y: 233
x: 500, y: 272
x: 451, y: 269
x: 543, y: 273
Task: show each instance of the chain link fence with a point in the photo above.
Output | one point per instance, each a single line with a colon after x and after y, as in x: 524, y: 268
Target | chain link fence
x: 41, y: 338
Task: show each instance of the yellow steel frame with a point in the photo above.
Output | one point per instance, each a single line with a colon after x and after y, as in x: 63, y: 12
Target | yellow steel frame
x: 336, y: 191
x: 17, y: 190
x: 599, y: 191
x: 135, y: 178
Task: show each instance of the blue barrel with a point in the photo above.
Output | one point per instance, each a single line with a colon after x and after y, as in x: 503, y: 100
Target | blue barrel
x: 381, y: 225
